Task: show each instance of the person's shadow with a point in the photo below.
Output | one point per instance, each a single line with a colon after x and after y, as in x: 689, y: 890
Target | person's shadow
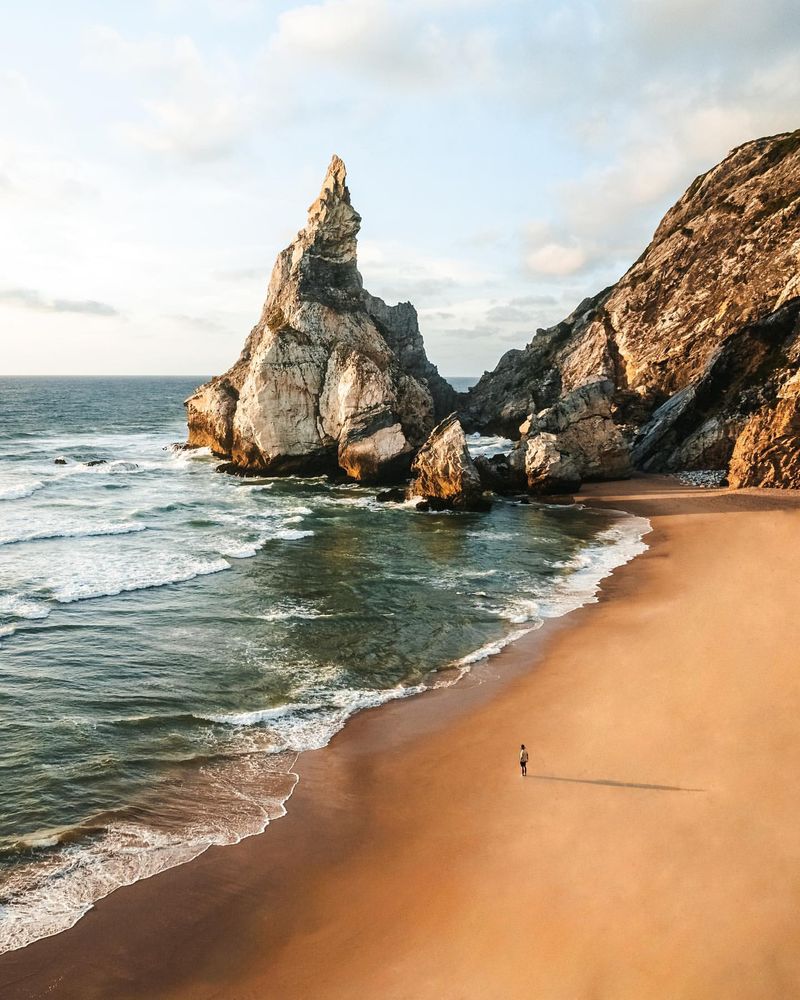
x: 615, y: 784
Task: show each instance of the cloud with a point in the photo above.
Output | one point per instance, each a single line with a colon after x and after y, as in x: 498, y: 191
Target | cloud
x: 395, y: 43
x: 557, y: 259
x: 29, y: 298
x: 507, y: 314
x: 662, y: 91
x: 399, y: 273
x: 196, y: 322
x: 193, y: 109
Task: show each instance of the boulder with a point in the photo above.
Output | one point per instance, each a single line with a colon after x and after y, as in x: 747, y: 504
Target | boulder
x: 395, y: 495
x: 547, y: 468
x: 574, y: 440
x: 582, y: 425
x: 330, y: 379
x: 444, y: 473
x: 499, y: 475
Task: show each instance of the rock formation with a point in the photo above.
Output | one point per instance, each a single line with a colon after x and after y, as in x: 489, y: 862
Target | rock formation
x: 699, y: 340
x: 574, y: 440
x: 767, y: 452
x: 444, y: 473
x: 330, y: 378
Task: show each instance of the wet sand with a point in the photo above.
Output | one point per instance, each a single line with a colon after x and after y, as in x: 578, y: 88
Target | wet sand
x: 653, y: 850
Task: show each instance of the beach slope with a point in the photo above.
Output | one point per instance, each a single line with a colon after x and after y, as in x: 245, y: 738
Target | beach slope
x: 652, y: 851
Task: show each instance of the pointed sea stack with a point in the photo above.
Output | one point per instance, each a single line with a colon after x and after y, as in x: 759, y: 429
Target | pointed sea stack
x: 331, y: 379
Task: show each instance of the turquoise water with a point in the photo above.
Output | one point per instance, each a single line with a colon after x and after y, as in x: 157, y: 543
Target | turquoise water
x: 170, y: 638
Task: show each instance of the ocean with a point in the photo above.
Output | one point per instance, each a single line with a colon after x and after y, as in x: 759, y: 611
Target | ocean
x: 171, y: 638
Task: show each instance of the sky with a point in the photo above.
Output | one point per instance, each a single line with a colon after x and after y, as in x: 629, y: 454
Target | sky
x: 508, y: 158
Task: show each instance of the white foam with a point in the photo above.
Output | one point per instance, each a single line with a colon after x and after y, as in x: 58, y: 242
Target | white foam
x: 19, y: 491
x: 258, y: 716
x: 135, y: 576
x: 491, y: 648
x: 234, y: 549
x: 21, y: 606
x: 286, y: 610
x: 310, y: 725
x: 51, y: 893
x: 292, y: 534
x: 487, y: 446
x: 65, y: 530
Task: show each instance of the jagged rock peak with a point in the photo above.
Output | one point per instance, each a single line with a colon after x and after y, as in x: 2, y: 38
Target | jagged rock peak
x: 332, y: 220
x: 330, y: 378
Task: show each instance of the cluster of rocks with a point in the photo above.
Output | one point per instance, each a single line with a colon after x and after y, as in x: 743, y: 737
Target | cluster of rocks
x: 690, y: 362
x: 697, y: 346
x: 90, y: 464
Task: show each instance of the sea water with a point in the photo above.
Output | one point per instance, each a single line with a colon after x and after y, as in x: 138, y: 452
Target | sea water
x: 171, y: 638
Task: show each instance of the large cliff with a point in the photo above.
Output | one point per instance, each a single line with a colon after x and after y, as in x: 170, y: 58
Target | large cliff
x: 330, y: 378
x: 698, y: 343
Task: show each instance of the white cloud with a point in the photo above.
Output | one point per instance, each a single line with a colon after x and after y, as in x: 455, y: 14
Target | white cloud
x: 196, y: 109
x: 393, y: 42
x: 30, y: 298
x: 398, y: 273
x: 557, y: 259
x: 671, y: 87
x: 467, y: 120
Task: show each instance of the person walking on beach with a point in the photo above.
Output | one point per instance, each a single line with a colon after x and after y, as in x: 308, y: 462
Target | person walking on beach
x: 523, y: 759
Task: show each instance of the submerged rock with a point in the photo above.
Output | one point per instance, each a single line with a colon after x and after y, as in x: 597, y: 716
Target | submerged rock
x: 498, y: 474
x: 700, y: 339
x: 444, y: 473
x: 331, y: 378
x: 396, y: 495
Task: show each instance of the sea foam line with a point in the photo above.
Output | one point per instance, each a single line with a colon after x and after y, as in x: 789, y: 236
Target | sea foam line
x: 297, y: 727
x: 21, y: 490
x: 81, y: 531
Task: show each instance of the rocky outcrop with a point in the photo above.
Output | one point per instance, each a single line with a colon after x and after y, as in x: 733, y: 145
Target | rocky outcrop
x: 767, y: 452
x: 331, y: 378
x: 525, y: 381
x: 574, y: 440
x: 699, y: 339
x: 500, y: 473
x: 444, y: 473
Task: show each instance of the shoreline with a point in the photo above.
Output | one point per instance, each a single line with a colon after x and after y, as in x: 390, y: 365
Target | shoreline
x: 415, y: 794
x: 619, y: 541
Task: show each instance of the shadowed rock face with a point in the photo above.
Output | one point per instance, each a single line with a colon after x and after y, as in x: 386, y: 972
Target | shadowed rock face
x: 331, y: 378
x: 700, y: 339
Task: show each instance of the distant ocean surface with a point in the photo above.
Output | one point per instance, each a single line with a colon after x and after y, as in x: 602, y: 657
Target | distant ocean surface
x: 171, y: 638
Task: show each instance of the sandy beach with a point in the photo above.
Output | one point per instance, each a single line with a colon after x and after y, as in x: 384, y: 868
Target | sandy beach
x: 652, y: 851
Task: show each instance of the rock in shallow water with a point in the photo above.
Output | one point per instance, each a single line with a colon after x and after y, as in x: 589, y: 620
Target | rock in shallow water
x: 330, y: 378
x: 444, y: 473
